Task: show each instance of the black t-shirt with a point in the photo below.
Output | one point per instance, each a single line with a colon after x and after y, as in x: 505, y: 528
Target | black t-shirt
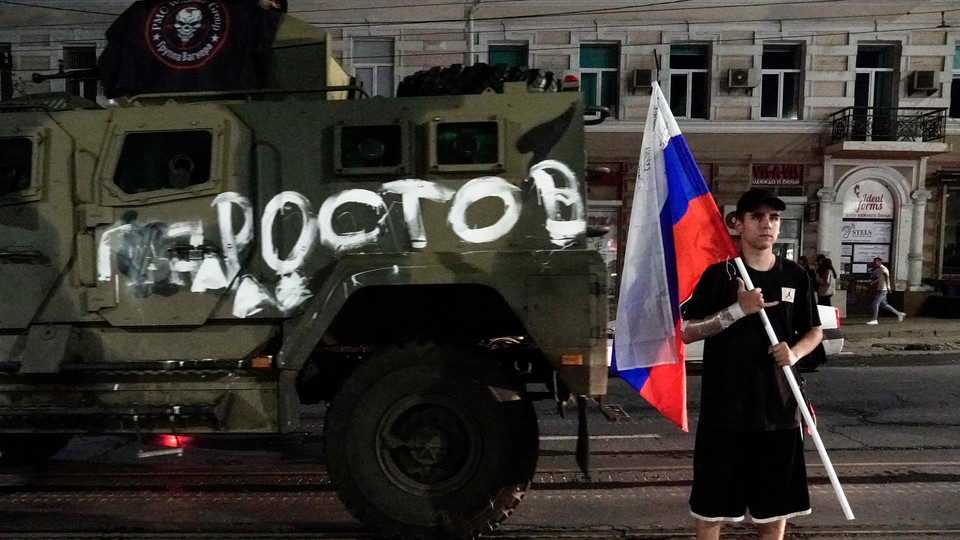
x: 742, y: 387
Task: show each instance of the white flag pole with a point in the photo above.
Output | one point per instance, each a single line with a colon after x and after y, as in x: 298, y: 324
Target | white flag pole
x: 792, y: 380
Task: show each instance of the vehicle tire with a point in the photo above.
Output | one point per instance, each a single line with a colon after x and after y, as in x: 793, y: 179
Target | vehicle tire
x: 29, y: 449
x: 428, y: 441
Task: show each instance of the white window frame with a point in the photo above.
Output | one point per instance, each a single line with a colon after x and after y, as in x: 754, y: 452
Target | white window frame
x: 780, y: 72
x: 86, y: 89
x: 599, y: 86
x: 360, y: 63
x: 687, y: 74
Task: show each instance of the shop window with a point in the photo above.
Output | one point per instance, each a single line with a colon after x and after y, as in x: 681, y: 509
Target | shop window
x: 690, y: 80
x: 373, y: 66
x: 507, y: 56
x: 780, y: 83
x: 16, y: 164
x: 599, y: 75
x: 81, y: 58
x: 152, y: 161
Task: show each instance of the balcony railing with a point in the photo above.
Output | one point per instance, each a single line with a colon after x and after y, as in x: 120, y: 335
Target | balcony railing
x: 908, y: 124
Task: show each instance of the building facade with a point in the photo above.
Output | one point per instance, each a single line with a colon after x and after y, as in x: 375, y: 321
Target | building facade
x: 849, y: 110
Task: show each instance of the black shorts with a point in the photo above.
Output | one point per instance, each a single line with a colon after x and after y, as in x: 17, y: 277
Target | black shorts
x: 759, y: 471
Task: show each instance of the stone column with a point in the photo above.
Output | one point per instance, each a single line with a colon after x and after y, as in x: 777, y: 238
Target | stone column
x: 915, y: 255
x: 831, y: 218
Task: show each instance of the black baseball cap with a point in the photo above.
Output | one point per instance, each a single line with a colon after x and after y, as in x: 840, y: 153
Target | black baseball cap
x: 753, y: 199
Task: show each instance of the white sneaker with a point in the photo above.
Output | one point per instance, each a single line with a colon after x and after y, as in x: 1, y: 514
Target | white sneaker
x: 872, y: 322
x: 900, y: 316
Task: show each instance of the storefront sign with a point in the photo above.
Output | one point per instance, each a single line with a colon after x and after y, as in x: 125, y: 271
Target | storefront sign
x: 866, y: 232
x: 866, y: 253
x: 868, y: 199
x: 777, y: 174
x: 606, y: 218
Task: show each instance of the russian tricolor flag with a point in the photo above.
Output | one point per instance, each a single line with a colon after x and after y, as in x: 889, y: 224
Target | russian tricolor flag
x: 675, y: 232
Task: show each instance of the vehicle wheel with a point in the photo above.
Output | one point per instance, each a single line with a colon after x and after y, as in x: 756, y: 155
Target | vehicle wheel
x: 428, y: 441
x: 30, y: 449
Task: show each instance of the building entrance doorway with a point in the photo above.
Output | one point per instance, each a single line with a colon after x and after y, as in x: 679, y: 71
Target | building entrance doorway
x: 866, y: 233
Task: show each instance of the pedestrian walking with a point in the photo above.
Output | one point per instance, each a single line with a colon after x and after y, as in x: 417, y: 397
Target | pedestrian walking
x: 748, y: 453
x: 826, y: 281
x: 881, y: 286
x: 811, y: 270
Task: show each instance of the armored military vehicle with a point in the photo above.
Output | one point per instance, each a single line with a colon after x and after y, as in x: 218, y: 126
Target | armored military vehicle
x: 206, y: 262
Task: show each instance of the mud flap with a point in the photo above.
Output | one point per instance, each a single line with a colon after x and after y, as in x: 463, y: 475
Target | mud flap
x: 583, y: 437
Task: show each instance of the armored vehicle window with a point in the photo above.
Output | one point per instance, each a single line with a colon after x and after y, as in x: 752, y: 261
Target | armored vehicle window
x: 152, y: 161
x: 16, y: 159
x: 468, y: 143
x: 363, y: 148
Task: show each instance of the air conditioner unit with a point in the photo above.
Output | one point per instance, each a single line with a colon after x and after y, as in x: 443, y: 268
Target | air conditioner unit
x: 743, y: 78
x: 924, y: 81
x: 642, y: 78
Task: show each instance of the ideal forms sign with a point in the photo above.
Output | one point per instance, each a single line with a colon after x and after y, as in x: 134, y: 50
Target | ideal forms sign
x: 869, y: 199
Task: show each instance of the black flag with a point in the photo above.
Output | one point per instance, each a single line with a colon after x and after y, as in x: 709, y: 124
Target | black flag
x: 187, y: 46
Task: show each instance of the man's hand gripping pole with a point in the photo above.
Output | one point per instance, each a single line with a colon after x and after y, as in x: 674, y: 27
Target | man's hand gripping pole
x: 795, y: 388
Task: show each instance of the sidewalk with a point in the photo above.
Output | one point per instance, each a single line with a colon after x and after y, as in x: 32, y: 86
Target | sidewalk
x: 915, y: 335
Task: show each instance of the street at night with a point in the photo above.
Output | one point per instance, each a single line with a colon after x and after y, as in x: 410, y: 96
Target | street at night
x: 891, y: 426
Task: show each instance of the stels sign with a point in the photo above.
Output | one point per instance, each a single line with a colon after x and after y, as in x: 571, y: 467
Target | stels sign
x: 777, y: 174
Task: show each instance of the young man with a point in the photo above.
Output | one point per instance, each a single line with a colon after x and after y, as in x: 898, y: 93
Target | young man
x: 748, y: 455
x: 881, y: 284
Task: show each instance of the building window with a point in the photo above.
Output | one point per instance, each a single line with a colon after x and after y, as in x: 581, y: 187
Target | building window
x: 874, y: 90
x: 6, y: 72
x: 955, y: 85
x: 373, y: 66
x: 81, y: 58
x: 690, y: 80
x: 599, y: 74
x: 780, y: 85
x: 508, y: 55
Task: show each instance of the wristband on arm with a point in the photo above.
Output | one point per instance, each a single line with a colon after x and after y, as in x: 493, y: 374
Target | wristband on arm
x: 695, y: 330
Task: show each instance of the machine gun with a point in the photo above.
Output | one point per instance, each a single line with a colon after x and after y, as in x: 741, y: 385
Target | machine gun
x: 78, y: 75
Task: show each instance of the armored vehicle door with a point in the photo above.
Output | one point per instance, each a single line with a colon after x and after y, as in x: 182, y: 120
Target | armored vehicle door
x: 36, y: 218
x: 158, y: 249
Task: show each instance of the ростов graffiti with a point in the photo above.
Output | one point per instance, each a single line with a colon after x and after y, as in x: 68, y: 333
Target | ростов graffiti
x: 141, y: 255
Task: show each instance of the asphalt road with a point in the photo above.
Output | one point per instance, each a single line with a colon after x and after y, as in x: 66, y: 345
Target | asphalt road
x: 892, y: 430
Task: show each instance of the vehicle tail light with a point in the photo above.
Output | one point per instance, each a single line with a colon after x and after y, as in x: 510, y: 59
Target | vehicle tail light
x: 836, y: 312
x: 571, y: 359
x: 261, y: 362
x: 173, y: 441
